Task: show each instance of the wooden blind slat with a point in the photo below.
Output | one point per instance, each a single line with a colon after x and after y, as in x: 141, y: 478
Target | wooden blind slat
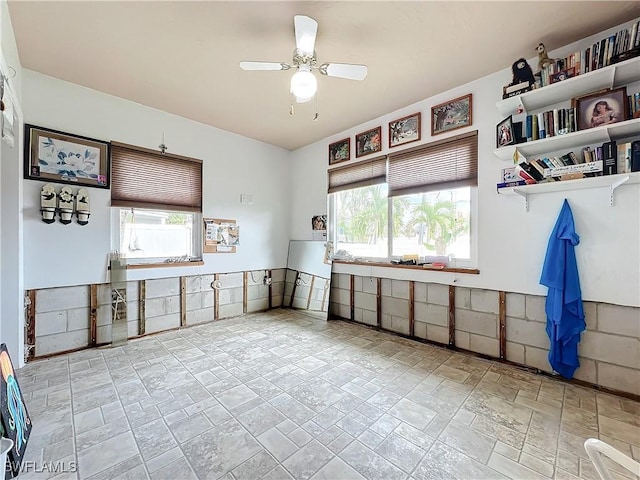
x: 449, y: 163
x: 361, y: 174
x: 148, y: 179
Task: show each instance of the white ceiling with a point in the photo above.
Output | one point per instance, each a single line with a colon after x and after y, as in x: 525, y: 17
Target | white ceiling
x: 182, y: 57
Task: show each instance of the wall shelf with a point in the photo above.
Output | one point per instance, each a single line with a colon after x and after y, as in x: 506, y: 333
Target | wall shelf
x: 610, y: 181
x: 580, y: 138
x: 607, y: 77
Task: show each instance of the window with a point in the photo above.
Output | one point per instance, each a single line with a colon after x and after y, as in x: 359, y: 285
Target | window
x: 157, y: 202
x: 424, y: 204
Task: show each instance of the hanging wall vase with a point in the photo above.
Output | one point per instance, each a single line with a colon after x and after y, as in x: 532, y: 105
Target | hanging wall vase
x: 48, y: 201
x: 83, y: 208
x: 65, y: 205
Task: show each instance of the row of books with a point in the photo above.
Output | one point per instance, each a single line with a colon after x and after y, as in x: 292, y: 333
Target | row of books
x: 600, y: 54
x: 608, y: 159
x: 558, y: 121
x: 634, y: 105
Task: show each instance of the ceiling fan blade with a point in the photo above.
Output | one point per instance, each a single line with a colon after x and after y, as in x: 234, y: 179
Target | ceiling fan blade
x: 264, y: 66
x: 344, y: 70
x: 306, y: 29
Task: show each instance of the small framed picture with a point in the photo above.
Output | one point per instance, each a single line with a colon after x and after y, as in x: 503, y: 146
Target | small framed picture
x: 450, y: 115
x: 53, y: 156
x: 369, y: 142
x: 563, y: 75
x: 602, y: 108
x: 404, y: 130
x: 504, y: 133
x: 340, y: 151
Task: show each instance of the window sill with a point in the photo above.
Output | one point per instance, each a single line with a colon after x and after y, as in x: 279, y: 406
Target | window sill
x: 472, y: 271
x: 137, y: 266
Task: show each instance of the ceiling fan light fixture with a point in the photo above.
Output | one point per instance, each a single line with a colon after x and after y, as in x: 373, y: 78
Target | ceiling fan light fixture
x: 304, y: 84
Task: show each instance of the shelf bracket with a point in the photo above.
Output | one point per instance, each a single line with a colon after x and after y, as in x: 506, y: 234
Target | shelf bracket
x: 526, y: 198
x: 613, y: 186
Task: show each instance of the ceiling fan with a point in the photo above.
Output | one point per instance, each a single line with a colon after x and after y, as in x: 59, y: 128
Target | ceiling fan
x: 304, y: 83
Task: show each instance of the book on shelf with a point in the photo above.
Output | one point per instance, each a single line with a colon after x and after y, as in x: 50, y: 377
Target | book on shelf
x: 635, y: 156
x: 624, y: 157
x: 610, y: 158
x: 514, y: 183
x: 581, y: 168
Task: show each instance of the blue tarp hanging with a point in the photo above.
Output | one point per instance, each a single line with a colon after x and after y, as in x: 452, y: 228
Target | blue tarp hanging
x: 565, y: 317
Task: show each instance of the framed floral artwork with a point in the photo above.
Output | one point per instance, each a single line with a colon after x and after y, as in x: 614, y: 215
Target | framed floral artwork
x: 60, y: 157
x: 340, y: 151
x: 456, y: 113
x: 369, y: 142
x: 404, y: 130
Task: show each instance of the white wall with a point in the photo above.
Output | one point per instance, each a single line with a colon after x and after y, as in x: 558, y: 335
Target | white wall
x: 11, y: 250
x: 59, y: 255
x: 511, y: 243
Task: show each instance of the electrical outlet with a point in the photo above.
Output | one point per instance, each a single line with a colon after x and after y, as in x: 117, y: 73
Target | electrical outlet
x: 246, y: 198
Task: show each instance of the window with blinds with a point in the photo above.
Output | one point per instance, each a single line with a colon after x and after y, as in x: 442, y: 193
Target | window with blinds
x: 446, y: 164
x: 143, y: 178
x: 356, y: 175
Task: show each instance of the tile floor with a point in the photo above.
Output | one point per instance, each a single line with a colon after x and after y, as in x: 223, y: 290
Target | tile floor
x: 281, y: 395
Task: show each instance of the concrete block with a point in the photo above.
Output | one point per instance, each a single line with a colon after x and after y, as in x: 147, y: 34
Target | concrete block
x: 77, y: 319
x: 477, y: 322
x: 537, y: 358
x: 103, y: 315
x: 438, y: 334
x: 357, y: 283
x: 343, y: 281
x: 319, y: 293
x: 369, y: 317
x: 367, y: 301
x: 196, y: 317
x: 395, y: 306
x: 132, y: 328
x: 484, y: 345
x: 61, y: 342
x: 163, y: 322
x: 132, y: 290
x: 64, y: 298
x: 340, y: 311
x: 370, y: 285
x: 232, y: 310
x: 341, y: 296
x: 386, y: 287
x: 430, y: 313
x: 50, y: 323
x: 515, y: 353
x: 194, y: 301
x: 255, y: 292
x: 302, y: 291
x: 288, y: 289
x: 485, y: 300
x: 527, y: 333
x: 591, y: 315
x: 620, y: 378
x: 256, y: 277
x: 386, y: 321
x: 400, y: 289
x: 299, y: 303
x: 278, y: 275
x: 462, y: 339
x: 619, y: 319
x: 463, y: 298
x: 419, y: 292
x: 515, y: 305
x: 420, y: 330
x: 133, y: 310
x: 237, y: 294
x: 208, y: 299
x: 291, y: 275
x: 103, y: 334
x: 400, y: 324
x: 104, y: 294
x: 608, y: 348
x: 587, y: 371
x: 357, y: 315
x: 438, y: 294
x: 534, y: 308
x: 194, y: 284
x: 162, y: 287
x: 277, y: 288
x: 276, y: 301
x: 316, y: 306
x: 232, y: 280
x: 224, y: 297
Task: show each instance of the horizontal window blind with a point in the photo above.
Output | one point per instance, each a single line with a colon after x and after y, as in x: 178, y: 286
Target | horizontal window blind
x: 144, y: 178
x: 449, y: 163
x: 361, y: 174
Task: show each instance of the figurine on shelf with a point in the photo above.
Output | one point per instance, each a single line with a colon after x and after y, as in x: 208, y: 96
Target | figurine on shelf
x: 543, y: 58
x: 522, y: 72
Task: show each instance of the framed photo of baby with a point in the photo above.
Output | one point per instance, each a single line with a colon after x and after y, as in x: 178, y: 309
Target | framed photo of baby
x: 602, y: 108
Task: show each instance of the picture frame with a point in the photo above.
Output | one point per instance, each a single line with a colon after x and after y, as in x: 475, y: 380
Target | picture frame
x: 340, y: 151
x: 505, y: 134
x: 60, y: 157
x: 563, y: 75
x: 405, y: 130
x: 451, y: 115
x: 602, y: 108
x: 369, y: 142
